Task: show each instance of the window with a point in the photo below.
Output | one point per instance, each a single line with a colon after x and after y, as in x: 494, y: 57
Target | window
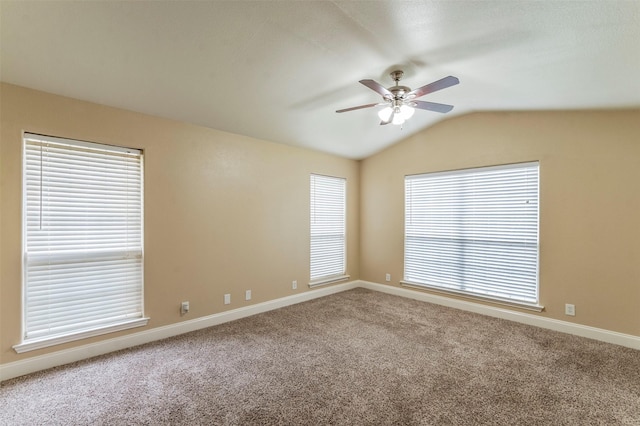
x: 474, y: 232
x: 328, y: 251
x: 82, y: 240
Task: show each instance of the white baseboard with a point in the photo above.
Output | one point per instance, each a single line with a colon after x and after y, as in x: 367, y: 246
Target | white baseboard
x: 66, y: 356
x: 603, y: 335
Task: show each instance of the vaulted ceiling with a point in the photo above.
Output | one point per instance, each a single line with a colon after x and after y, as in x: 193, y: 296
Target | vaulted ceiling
x: 278, y: 70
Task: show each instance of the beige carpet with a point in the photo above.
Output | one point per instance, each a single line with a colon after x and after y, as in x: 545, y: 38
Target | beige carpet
x: 358, y: 357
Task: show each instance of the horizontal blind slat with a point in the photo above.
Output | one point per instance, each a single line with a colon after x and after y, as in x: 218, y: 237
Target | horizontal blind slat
x: 474, y: 230
x: 83, y: 228
x: 327, y: 226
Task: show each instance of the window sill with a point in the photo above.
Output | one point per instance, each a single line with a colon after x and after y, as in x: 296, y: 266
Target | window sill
x: 33, y: 344
x: 506, y: 302
x: 328, y: 280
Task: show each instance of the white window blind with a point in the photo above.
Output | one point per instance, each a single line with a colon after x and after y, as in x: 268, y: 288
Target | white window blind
x: 474, y: 231
x: 328, y: 249
x: 83, y: 236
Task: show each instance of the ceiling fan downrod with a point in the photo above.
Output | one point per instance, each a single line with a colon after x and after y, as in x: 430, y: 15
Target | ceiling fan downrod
x: 397, y: 90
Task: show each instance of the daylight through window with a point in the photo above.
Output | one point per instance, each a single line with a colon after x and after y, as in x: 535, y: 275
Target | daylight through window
x: 474, y: 231
x: 328, y: 242
x: 83, y: 238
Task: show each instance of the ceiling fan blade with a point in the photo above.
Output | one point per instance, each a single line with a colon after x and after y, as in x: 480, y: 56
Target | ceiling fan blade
x: 443, y: 83
x: 357, y: 107
x: 377, y: 87
x: 432, y: 106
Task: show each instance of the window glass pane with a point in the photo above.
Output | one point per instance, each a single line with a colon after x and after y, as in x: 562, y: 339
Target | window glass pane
x: 327, y: 227
x: 83, y: 236
x: 474, y: 231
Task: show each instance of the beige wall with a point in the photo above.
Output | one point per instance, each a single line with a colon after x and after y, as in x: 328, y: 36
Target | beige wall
x: 226, y: 213
x: 223, y: 213
x: 589, y: 202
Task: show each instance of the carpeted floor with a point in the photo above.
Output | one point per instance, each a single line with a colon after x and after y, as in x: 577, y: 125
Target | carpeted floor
x: 358, y: 357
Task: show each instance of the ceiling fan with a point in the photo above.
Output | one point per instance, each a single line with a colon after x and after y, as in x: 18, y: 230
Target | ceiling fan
x: 399, y: 101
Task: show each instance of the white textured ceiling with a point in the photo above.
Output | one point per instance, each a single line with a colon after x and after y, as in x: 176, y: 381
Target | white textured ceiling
x: 277, y: 70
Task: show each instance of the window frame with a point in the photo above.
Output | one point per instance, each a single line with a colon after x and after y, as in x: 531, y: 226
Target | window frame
x: 41, y: 340
x: 530, y: 304
x: 333, y: 276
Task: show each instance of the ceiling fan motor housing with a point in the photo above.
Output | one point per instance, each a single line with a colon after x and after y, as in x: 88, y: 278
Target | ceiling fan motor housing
x: 398, y: 91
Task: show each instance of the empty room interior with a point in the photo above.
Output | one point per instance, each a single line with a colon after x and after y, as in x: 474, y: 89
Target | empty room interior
x: 324, y: 212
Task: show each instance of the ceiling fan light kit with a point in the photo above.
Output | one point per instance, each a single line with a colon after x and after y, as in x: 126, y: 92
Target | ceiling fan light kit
x: 399, y: 101
x: 401, y: 113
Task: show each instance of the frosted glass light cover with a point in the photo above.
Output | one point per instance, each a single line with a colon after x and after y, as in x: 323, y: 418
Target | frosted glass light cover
x: 406, y: 111
x: 398, y: 119
x: 385, y: 113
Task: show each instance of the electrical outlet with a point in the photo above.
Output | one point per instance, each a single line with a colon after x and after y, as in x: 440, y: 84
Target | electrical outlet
x: 247, y: 295
x: 227, y: 299
x: 570, y: 309
x: 294, y: 284
x: 184, y: 308
x: 388, y: 277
